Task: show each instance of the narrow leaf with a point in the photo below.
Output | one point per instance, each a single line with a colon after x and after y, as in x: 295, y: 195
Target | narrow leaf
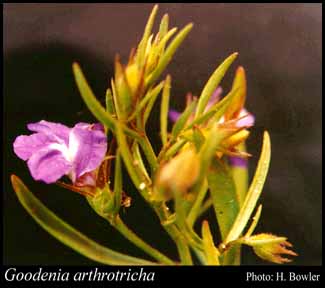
x: 211, y: 252
x: 238, y: 103
x: 213, y: 83
x: 170, y: 51
x: 163, y: 27
x: 67, y: 234
x: 139, y: 161
x: 164, y: 110
x: 88, y: 96
x: 183, y: 118
x: 126, y: 155
x: 254, y: 191
x: 140, y: 57
x: 146, y: 99
x: 117, y: 183
x: 223, y: 194
x: 151, y: 102
x: 216, y: 111
x: 173, y: 149
x: 109, y: 102
x: 254, y: 222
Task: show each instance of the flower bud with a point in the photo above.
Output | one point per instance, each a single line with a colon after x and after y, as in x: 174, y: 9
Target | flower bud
x: 124, y: 94
x: 102, y: 202
x: 180, y: 173
x: 270, y: 247
x: 133, y: 77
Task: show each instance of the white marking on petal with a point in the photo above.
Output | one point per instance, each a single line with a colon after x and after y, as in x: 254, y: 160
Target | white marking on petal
x: 62, y: 148
x: 73, y: 146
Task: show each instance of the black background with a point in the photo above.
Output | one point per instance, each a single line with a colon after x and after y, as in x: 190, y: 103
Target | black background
x: 280, y: 47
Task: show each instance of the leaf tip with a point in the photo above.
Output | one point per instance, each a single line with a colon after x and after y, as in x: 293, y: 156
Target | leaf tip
x: 266, y: 139
x: 14, y: 180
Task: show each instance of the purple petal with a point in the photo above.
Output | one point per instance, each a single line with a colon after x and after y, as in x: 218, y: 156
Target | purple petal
x: 58, y: 132
x: 246, y: 121
x: 214, y: 98
x: 25, y: 146
x: 87, y: 146
x: 48, y: 165
x: 238, y: 162
x: 173, y: 115
x: 87, y: 179
x: 95, y: 126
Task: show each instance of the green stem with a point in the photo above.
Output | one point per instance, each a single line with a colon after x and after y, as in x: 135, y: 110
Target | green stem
x: 136, y: 240
x: 175, y: 234
x: 161, y: 210
x: 184, y: 252
x: 194, y: 212
x: 149, y: 153
x: 205, y: 206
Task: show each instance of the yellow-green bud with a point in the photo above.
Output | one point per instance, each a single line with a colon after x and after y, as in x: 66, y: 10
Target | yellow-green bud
x: 180, y: 173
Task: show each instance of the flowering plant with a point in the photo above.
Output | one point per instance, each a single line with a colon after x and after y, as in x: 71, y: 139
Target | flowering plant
x: 202, y: 162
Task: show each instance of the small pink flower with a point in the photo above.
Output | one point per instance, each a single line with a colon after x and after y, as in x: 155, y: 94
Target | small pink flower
x: 55, y: 150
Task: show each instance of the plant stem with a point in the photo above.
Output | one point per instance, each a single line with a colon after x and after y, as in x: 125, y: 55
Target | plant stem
x: 175, y: 234
x: 194, y: 212
x: 118, y: 223
x: 184, y: 252
x: 149, y: 153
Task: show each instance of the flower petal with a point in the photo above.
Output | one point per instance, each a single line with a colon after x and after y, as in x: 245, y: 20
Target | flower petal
x: 87, y: 148
x: 245, y: 119
x: 48, y: 165
x: 25, y: 146
x: 173, y: 115
x: 56, y: 131
x: 238, y: 162
x: 216, y: 95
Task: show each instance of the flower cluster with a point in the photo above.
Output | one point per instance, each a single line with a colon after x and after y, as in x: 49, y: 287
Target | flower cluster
x: 202, y: 163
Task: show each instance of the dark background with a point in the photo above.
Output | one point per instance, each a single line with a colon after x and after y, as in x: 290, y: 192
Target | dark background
x: 280, y: 47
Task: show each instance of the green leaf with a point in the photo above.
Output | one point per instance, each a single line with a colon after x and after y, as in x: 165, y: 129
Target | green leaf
x: 93, y: 105
x: 164, y: 110
x: 173, y: 149
x: 216, y: 111
x: 254, y: 222
x: 140, y: 57
x: 139, y: 161
x: 163, y: 27
x: 209, y: 147
x: 211, y: 252
x: 170, y: 51
x: 198, y: 138
x: 124, y: 97
x: 182, y: 119
x: 254, y: 191
x: 151, y: 102
x: 117, y: 108
x: 159, y: 49
x: 223, y: 194
x: 118, y: 189
x: 213, y: 83
x: 240, y: 176
x: 88, y: 96
x: 195, y: 209
x: 109, y: 102
x: 67, y: 234
x: 127, y: 156
x: 152, y: 93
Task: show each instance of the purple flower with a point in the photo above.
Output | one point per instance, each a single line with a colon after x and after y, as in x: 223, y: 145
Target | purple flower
x: 55, y: 150
x: 241, y: 119
x: 174, y: 115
